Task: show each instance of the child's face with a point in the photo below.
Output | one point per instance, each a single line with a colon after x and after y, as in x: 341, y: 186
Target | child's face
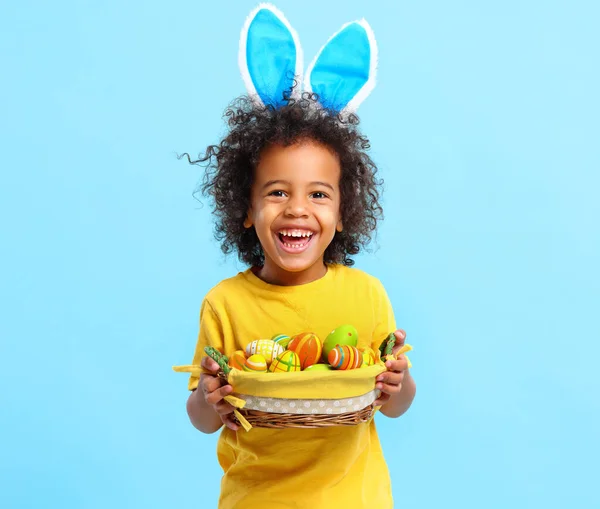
x: 295, y: 209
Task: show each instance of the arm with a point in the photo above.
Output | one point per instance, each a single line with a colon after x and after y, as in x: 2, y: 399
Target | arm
x: 400, y: 402
x: 205, y: 406
x: 398, y: 388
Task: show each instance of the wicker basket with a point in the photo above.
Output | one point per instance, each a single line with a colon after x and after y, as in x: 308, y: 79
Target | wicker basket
x: 308, y: 413
x: 289, y: 400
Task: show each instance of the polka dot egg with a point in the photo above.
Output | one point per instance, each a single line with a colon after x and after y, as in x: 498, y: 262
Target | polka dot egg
x: 286, y: 362
x: 256, y: 363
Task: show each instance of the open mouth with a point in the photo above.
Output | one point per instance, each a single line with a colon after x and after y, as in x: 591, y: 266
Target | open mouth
x: 295, y: 240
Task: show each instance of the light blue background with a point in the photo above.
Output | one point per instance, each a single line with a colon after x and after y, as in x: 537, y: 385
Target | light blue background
x: 485, y: 126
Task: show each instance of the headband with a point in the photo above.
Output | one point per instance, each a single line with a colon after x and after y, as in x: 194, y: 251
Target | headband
x: 342, y: 74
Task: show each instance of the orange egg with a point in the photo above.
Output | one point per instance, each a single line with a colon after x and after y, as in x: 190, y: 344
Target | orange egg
x: 345, y: 357
x: 237, y: 359
x: 308, y: 347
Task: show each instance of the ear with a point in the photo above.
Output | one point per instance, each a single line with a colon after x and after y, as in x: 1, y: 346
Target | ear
x: 339, y: 226
x: 270, y: 56
x: 343, y: 72
x: 248, y: 221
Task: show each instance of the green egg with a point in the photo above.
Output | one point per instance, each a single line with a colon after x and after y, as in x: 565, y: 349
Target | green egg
x: 319, y: 367
x: 342, y: 335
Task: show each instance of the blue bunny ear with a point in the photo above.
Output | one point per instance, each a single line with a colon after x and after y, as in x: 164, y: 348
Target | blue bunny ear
x: 343, y: 72
x: 270, y: 56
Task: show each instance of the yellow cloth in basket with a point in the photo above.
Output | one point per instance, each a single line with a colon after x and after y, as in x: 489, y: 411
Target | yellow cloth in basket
x: 306, y: 384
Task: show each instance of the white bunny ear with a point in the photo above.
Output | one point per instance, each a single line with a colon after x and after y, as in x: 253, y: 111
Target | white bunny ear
x: 270, y: 56
x: 343, y: 72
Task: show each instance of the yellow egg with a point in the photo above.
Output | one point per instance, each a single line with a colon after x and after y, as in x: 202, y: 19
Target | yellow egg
x: 256, y: 363
x: 265, y: 347
x: 368, y: 355
x: 286, y: 362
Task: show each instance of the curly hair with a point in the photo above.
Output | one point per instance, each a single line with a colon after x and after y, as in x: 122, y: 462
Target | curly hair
x: 252, y: 127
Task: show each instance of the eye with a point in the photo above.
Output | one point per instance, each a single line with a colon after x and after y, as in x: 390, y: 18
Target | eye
x: 319, y: 195
x: 277, y: 194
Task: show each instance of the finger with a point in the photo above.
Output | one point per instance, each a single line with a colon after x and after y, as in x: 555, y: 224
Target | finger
x: 399, y: 365
x: 382, y: 400
x: 389, y: 389
x: 228, y: 421
x: 223, y: 408
x: 400, y: 336
x: 209, y: 383
x: 391, y: 378
x: 210, y: 365
x: 217, y: 395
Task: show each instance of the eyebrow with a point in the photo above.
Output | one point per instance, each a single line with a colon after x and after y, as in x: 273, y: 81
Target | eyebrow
x: 286, y: 182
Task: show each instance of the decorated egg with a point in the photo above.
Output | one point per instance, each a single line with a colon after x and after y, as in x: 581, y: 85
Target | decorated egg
x: 256, y: 362
x: 319, y: 367
x: 368, y: 356
x: 286, y: 362
x: 345, y: 357
x: 342, y: 335
x: 237, y: 359
x: 308, y: 347
x: 265, y: 347
x: 282, y: 339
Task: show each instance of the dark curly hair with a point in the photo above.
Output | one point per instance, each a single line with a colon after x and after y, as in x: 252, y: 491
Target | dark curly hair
x: 252, y: 127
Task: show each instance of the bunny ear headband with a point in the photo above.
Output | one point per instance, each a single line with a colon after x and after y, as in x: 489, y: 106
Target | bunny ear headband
x: 270, y: 58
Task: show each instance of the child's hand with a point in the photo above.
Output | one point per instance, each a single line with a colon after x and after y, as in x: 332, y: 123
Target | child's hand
x: 390, y: 382
x: 214, y: 393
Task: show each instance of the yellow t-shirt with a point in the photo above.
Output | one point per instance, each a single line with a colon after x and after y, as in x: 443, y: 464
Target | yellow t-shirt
x: 339, y: 467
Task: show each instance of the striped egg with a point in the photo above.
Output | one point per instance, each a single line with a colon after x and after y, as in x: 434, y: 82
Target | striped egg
x: 282, y: 339
x: 256, y: 363
x: 286, y: 362
x: 308, y: 347
x: 345, y: 357
x: 237, y: 359
x: 265, y: 347
x: 368, y: 356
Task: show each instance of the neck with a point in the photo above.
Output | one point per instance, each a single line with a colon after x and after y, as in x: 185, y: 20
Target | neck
x: 274, y: 275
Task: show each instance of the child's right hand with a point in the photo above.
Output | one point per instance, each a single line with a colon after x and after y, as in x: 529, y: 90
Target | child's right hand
x: 214, y: 392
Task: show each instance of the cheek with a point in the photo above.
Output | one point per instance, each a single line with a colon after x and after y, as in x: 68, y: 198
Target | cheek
x: 264, y: 216
x: 329, y: 218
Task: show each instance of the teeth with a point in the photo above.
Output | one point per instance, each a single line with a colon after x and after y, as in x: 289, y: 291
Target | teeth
x: 295, y: 233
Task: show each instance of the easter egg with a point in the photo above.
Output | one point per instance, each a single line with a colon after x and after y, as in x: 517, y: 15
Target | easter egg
x: 308, y: 347
x: 256, y: 362
x: 237, y: 359
x: 282, y: 339
x: 342, y: 335
x: 319, y: 367
x: 368, y: 356
x: 285, y: 362
x: 265, y: 347
x: 345, y: 357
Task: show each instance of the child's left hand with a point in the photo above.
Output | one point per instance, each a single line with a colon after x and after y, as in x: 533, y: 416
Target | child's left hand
x: 390, y: 382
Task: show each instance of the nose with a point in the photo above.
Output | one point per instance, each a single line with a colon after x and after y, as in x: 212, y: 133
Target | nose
x: 297, y: 206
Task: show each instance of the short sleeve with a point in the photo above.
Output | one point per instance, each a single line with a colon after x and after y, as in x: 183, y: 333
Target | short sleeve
x: 384, y: 315
x: 210, y: 334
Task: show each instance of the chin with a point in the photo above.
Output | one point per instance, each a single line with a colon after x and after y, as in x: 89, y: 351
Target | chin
x: 297, y: 266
